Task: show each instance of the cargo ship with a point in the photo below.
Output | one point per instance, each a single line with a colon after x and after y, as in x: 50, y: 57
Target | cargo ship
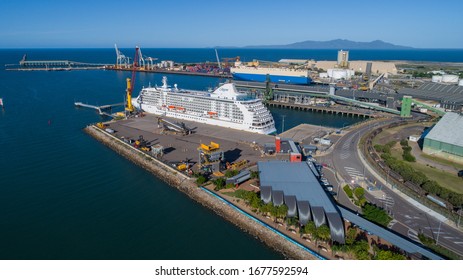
x: 257, y: 73
x: 225, y: 106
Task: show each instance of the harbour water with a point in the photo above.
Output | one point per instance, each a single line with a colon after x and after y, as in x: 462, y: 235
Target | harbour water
x: 65, y: 196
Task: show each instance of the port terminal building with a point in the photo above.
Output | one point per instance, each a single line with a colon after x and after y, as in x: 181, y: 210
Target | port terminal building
x: 296, y: 185
x: 445, y: 139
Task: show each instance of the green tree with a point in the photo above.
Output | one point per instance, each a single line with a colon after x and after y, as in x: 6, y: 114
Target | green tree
x: 351, y: 236
x: 408, y: 157
x: 282, y: 210
x: 254, y: 174
x: 378, y: 148
x: 388, y: 255
x: 219, y: 184
x: 360, y: 249
x: 404, y: 143
x: 348, y: 191
x: 376, y: 214
x: 310, y: 228
x: 230, y: 173
x: 359, y: 193
x: 255, y: 202
x: 266, y: 208
x: 201, y: 180
x: 323, y: 233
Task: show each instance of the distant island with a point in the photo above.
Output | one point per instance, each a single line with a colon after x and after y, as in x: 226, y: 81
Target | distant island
x: 334, y: 44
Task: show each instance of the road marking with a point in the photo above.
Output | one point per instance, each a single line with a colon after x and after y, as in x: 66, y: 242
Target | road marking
x: 413, y: 235
x: 458, y: 242
x: 353, y: 173
x: 392, y: 223
x: 449, y: 237
x: 345, y: 155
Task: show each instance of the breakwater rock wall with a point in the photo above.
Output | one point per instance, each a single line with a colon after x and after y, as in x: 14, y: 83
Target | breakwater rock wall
x: 187, y: 185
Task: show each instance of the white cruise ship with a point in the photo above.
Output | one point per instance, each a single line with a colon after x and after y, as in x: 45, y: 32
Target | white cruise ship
x: 223, y: 107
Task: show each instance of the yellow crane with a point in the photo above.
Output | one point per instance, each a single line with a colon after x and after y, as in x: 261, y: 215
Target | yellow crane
x: 130, y: 82
x: 128, y: 105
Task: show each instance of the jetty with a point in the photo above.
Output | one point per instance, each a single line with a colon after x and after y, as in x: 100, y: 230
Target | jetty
x: 187, y: 185
x: 100, y: 109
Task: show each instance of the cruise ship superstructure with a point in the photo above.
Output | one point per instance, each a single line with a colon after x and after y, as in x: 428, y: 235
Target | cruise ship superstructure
x: 259, y: 73
x: 225, y: 106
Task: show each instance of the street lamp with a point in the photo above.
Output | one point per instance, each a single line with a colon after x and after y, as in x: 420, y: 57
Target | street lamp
x: 283, y: 124
x: 438, y: 232
x: 459, y: 218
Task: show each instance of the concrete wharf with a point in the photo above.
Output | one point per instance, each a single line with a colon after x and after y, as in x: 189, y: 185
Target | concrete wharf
x: 166, y: 71
x: 320, y: 109
x: 292, y: 94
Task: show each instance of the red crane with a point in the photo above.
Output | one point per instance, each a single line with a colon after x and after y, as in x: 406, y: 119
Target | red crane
x: 130, y: 82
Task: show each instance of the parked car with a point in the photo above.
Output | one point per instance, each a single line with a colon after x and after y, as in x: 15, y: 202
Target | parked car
x: 460, y: 173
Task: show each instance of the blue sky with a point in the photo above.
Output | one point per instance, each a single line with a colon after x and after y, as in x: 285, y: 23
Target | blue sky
x: 177, y: 23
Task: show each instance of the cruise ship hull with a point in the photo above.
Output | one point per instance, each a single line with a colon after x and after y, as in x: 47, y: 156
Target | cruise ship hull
x: 273, y: 78
x: 206, y: 120
x: 225, y: 106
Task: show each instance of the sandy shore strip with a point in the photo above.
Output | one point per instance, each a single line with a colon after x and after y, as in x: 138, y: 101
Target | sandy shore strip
x: 187, y: 185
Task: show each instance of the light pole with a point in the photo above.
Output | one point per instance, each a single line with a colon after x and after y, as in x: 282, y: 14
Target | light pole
x: 459, y: 218
x: 438, y: 232
x: 283, y: 124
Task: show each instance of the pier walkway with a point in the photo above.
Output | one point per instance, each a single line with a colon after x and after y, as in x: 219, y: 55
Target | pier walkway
x: 98, y: 108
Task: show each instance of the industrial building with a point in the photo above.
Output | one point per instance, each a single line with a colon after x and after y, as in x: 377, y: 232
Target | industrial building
x: 343, y: 59
x: 295, y: 185
x: 285, y: 149
x: 445, y: 140
x: 449, y: 96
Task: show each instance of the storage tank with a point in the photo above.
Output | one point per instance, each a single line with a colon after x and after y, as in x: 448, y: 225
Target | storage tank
x: 340, y: 73
x: 436, y: 79
x: 451, y: 79
x: 460, y: 83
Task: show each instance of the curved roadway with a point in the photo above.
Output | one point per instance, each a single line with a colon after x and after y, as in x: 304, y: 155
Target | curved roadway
x: 409, y: 219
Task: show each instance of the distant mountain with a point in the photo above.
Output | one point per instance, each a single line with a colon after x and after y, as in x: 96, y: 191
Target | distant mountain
x: 335, y: 44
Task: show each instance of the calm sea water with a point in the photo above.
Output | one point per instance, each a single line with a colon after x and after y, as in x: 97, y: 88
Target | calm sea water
x: 63, y: 195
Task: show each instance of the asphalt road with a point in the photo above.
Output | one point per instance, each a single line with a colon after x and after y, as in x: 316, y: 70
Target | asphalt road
x: 408, y: 219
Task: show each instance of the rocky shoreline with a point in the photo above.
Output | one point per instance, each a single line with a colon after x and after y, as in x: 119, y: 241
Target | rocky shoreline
x: 186, y: 185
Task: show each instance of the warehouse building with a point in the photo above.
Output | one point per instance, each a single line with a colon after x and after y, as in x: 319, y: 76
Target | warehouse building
x: 445, y: 140
x: 295, y: 185
x: 449, y: 97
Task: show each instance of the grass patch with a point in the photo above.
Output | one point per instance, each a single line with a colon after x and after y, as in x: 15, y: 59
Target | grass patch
x: 430, y: 243
x: 445, y: 179
x: 455, y: 165
x: 237, y: 193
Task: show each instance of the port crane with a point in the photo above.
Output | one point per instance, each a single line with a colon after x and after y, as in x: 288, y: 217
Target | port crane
x: 121, y: 59
x: 218, y: 60
x: 226, y: 61
x: 141, y: 60
x: 130, y: 82
x: 150, y: 61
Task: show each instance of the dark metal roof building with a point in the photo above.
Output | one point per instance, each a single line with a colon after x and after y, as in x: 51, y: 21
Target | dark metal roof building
x: 294, y: 184
x: 449, y: 96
